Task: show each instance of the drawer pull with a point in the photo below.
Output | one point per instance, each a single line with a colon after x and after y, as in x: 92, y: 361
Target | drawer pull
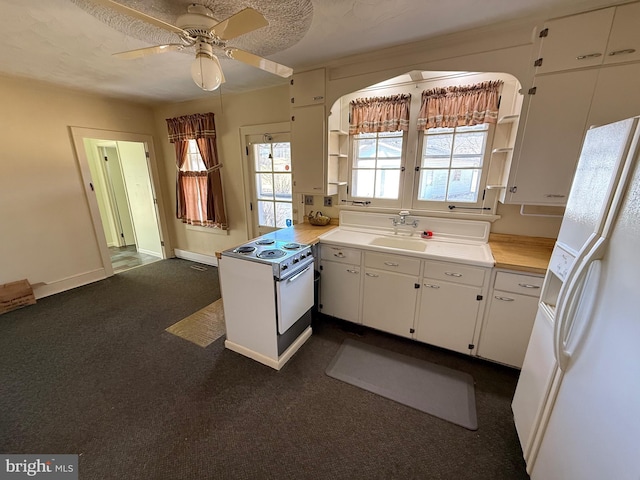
x: 392, y: 264
x: 339, y: 255
x: 453, y: 274
x: 528, y: 285
x: 372, y: 275
x: 504, y: 299
x: 590, y: 55
x: 431, y: 285
x: 622, y: 52
x: 352, y: 271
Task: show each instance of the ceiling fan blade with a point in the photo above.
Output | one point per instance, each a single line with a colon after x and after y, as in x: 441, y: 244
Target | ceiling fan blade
x: 142, y: 52
x: 141, y: 16
x: 244, y: 21
x: 256, y: 61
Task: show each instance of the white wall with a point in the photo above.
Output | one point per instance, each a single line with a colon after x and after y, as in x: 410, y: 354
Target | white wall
x: 46, y: 233
x: 232, y: 112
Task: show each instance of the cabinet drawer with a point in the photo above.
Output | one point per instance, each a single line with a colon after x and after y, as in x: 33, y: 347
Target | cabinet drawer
x: 340, y: 254
x: 393, y: 263
x: 454, y: 272
x: 523, y: 284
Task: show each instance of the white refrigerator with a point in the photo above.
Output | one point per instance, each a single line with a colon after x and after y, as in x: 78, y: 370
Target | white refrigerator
x: 577, y: 403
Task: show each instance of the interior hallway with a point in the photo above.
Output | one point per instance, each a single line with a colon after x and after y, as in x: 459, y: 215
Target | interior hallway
x: 125, y: 258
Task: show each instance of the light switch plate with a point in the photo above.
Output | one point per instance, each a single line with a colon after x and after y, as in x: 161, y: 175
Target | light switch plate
x: 308, y: 199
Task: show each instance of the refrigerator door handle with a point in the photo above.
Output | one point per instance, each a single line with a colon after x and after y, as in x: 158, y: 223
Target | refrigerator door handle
x: 564, y: 329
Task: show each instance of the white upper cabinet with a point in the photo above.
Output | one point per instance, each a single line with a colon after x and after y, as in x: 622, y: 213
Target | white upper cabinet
x: 308, y: 146
x: 624, y: 41
x: 575, y: 42
x: 308, y: 88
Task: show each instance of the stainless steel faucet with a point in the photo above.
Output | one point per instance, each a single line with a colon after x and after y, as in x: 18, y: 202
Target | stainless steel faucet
x: 403, y: 219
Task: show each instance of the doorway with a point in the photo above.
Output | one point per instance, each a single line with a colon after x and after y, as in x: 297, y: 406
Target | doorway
x: 119, y: 178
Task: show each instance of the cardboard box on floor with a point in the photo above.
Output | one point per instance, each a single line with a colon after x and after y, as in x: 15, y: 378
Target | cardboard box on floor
x: 15, y: 295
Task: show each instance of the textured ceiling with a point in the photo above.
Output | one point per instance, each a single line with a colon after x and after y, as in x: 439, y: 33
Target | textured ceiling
x: 59, y: 42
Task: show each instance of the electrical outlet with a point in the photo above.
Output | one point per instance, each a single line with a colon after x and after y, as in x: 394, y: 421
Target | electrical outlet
x: 328, y: 202
x: 308, y: 199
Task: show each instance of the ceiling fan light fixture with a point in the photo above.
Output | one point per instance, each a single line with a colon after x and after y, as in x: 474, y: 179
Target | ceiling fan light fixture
x: 206, y: 71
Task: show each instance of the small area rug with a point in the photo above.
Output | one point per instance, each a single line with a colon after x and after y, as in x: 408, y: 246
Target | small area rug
x: 445, y: 393
x: 203, y: 327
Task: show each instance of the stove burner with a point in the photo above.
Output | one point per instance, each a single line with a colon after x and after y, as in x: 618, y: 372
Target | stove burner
x: 292, y: 246
x: 245, y: 249
x: 266, y: 241
x: 271, y: 253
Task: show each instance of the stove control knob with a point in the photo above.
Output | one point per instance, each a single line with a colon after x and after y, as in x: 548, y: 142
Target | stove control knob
x: 296, y: 260
x: 284, y: 267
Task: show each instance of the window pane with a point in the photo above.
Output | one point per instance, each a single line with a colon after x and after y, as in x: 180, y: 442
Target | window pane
x: 463, y: 185
x: 359, y: 163
x: 366, y: 148
x: 262, y: 155
x: 438, y: 145
x: 436, y: 162
x: 469, y: 143
x: 363, y: 181
x: 466, y: 161
x: 387, y: 183
x: 264, y: 185
x: 282, y: 186
x: 282, y: 157
x: 433, y: 185
x: 390, y: 147
x: 265, y: 214
x: 284, y: 212
x: 389, y: 163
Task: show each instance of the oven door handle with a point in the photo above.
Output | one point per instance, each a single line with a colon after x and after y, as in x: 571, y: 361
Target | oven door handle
x: 294, y: 277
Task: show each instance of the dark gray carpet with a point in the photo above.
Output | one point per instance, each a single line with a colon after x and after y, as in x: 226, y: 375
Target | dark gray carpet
x: 430, y: 388
x: 92, y: 372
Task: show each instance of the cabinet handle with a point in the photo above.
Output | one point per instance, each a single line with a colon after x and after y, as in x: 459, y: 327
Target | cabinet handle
x: 554, y: 195
x: 527, y: 285
x: 622, y: 52
x: 431, y: 285
x: 503, y: 299
x: 372, y: 275
x: 352, y: 271
x: 392, y: 264
x: 453, y: 274
x: 590, y: 55
x: 339, y: 255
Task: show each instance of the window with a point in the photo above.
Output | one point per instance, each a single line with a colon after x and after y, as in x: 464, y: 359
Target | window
x: 194, y: 162
x: 377, y: 163
x: 451, y: 164
x: 273, y: 186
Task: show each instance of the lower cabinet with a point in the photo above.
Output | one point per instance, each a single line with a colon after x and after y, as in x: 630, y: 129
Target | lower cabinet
x: 448, y: 312
x: 513, y: 304
x: 340, y: 280
x: 390, y: 293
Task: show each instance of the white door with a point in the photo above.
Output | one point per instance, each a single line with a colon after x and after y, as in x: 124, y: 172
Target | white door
x: 271, y: 183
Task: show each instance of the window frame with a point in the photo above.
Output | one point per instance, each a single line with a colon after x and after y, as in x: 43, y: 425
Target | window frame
x: 443, y: 205
x: 374, y: 201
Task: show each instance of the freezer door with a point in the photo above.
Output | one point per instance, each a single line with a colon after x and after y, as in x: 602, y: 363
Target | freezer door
x: 597, y: 174
x: 592, y: 431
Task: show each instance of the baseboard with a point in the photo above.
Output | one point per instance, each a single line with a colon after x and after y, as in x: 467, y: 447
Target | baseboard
x: 41, y: 290
x: 196, y: 257
x: 150, y: 252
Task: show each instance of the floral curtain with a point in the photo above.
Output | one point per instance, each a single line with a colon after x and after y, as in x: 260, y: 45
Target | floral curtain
x: 459, y: 106
x: 199, y: 195
x: 379, y: 114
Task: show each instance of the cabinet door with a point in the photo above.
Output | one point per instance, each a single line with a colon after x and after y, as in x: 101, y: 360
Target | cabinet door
x: 505, y: 334
x: 616, y: 96
x: 551, y: 138
x: 448, y: 314
x: 389, y: 302
x: 575, y: 42
x: 624, y: 41
x: 340, y: 290
x: 307, y: 88
x: 307, y: 149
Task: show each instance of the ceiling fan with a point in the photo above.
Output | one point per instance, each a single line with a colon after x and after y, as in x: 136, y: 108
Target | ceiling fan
x: 198, y: 28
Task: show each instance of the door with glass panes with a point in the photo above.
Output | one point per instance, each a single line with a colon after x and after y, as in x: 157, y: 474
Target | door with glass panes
x: 271, y: 195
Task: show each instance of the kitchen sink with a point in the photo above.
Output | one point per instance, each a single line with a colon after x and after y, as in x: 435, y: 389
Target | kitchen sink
x: 400, y: 243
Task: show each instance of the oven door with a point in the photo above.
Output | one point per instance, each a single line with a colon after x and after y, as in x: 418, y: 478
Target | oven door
x: 294, y: 297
